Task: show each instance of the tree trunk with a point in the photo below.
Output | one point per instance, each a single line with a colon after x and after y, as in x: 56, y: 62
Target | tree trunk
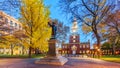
x: 30, y: 52
x: 113, y: 49
x: 11, y: 49
x: 98, y: 43
x: 99, y: 49
x: 114, y: 45
x: 22, y: 50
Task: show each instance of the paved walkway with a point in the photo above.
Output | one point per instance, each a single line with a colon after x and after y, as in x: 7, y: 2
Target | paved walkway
x: 72, y: 63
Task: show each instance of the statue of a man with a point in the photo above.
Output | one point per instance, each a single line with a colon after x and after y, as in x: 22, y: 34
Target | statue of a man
x: 54, y: 29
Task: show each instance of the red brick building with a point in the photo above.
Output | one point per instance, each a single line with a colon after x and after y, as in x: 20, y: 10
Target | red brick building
x: 75, y: 46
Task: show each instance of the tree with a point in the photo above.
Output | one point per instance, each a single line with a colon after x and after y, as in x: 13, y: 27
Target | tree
x: 113, y: 31
x: 106, y: 45
x: 90, y: 12
x: 8, y: 32
x: 35, y: 16
x: 62, y: 31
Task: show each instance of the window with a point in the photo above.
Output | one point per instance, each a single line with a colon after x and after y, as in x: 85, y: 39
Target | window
x: 73, y: 40
x: 1, y: 17
x: 15, y: 24
x: 83, y: 46
x: 74, y: 37
x: 80, y: 46
x: 6, y: 20
x: 11, y: 23
x: 87, y: 46
x: 83, y: 51
x: 65, y: 46
x: 80, y: 51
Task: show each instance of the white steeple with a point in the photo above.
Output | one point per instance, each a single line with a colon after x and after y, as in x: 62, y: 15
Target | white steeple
x: 74, y: 26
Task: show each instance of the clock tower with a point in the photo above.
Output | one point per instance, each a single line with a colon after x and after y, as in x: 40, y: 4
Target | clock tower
x: 74, y: 38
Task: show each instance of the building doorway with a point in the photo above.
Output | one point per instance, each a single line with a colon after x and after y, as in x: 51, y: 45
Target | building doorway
x: 74, y: 49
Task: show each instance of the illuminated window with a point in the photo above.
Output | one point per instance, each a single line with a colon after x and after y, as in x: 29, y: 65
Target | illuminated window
x: 87, y: 46
x: 63, y: 46
x: 80, y: 46
x: 83, y: 51
x: 73, y: 36
x: 80, y: 51
x: 73, y: 40
x: 83, y: 46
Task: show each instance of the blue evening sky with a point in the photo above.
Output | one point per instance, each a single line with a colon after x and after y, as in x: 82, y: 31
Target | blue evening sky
x: 56, y: 13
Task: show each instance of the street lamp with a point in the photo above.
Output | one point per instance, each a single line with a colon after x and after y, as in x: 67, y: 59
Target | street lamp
x: 98, y: 49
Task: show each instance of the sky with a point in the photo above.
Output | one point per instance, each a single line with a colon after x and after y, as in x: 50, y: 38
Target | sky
x: 56, y: 13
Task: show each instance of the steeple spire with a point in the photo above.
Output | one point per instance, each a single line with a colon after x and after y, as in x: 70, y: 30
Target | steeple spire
x: 74, y: 26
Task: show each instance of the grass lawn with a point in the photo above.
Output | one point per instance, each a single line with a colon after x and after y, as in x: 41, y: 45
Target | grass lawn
x: 21, y: 56
x: 111, y: 58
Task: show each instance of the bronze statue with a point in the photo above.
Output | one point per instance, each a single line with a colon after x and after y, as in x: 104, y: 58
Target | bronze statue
x: 54, y: 29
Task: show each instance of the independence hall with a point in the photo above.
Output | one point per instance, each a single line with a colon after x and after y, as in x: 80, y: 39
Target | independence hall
x: 75, y: 46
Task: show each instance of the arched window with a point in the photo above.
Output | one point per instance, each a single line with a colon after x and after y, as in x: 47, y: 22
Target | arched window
x: 80, y: 46
x: 73, y: 40
x: 74, y: 37
x: 87, y: 46
x: 83, y: 46
x: 80, y: 51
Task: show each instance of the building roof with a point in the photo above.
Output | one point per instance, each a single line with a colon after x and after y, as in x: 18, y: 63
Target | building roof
x: 9, y: 17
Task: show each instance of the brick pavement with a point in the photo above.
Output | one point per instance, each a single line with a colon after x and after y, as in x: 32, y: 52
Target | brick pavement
x: 72, y: 63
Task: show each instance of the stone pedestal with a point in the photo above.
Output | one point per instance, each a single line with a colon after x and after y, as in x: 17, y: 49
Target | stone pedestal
x: 52, y: 58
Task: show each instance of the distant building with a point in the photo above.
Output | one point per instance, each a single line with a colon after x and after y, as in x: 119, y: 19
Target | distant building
x: 8, y: 25
x: 75, y: 46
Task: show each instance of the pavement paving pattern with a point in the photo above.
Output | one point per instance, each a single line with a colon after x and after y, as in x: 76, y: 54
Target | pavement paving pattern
x: 72, y: 63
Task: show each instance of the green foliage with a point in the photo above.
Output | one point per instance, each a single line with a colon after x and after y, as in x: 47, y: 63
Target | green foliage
x: 106, y: 45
